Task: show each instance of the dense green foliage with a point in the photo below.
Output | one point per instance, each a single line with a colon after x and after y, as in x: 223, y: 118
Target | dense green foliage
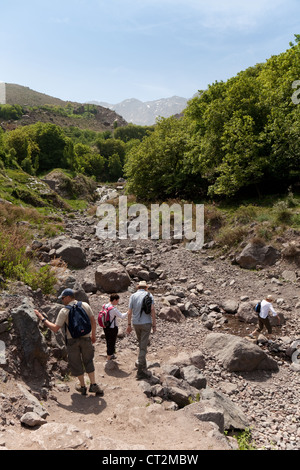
x: 236, y: 136
x: 40, y: 147
x: 8, y: 111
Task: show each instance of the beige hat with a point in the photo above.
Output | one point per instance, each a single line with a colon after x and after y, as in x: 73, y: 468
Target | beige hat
x: 142, y: 284
x: 270, y: 298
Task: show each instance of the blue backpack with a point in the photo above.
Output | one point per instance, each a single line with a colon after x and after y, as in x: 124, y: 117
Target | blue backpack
x: 257, y: 307
x: 79, y: 322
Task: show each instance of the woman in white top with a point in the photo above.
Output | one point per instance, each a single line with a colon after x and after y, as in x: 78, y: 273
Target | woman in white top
x: 263, y: 317
x: 111, y: 332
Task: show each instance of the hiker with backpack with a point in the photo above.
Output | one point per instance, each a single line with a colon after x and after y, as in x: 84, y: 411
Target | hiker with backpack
x: 263, y: 309
x: 142, y: 314
x: 107, y: 319
x: 80, y: 329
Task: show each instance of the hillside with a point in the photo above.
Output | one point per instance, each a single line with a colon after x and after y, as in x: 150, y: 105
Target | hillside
x: 24, y: 96
x: 39, y: 107
x: 146, y: 113
x: 198, y: 296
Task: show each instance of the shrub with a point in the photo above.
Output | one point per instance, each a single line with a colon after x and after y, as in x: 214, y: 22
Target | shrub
x: 43, y: 279
x: 231, y: 236
x: 246, y: 214
x: 16, y: 265
x: 283, y: 215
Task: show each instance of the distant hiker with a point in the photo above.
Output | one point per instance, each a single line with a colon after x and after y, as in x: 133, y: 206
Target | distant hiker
x: 111, y: 329
x: 143, y: 318
x: 263, y: 316
x: 80, y: 349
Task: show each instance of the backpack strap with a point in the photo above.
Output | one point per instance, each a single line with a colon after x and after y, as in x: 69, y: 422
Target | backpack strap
x: 113, y: 320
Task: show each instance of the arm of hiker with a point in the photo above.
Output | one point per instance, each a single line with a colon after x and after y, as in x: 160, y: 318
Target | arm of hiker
x: 120, y: 314
x: 93, y: 333
x: 275, y: 314
x: 129, y: 327
x: 52, y: 326
x: 153, y: 318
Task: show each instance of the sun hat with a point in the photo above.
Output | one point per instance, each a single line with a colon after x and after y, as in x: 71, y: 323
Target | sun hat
x: 269, y: 297
x: 67, y: 292
x: 142, y: 284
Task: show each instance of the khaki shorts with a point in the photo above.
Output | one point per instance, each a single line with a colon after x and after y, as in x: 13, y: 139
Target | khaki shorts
x: 81, y: 355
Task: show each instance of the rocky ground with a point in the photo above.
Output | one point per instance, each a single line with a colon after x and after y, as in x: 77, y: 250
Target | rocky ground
x: 201, y: 285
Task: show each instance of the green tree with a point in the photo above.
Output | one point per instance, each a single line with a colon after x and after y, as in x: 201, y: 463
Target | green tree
x: 157, y: 168
x: 88, y: 162
x: 21, y: 144
x: 52, y: 143
x: 110, y: 147
x: 132, y: 131
x: 115, y: 167
x: 244, y: 132
x: 8, y: 111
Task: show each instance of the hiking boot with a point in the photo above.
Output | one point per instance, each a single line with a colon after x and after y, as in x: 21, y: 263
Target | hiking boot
x: 81, y: 389
x: 143, y: 375
x: 137, y: 365
x: 94, y: 388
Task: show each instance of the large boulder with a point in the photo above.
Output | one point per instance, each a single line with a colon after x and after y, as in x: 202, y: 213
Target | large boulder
x: 230, y: 306
x: 184, y: 359
x: 238, y: 354
x: 193, y: 376
x: 33, y: 345
x: 246, y: 312
x: 215, y: 407
x: 257, y: 254
x: 112, y: 278
x: 234, y: 417
x: 72, y: 253
x: 172, y: 314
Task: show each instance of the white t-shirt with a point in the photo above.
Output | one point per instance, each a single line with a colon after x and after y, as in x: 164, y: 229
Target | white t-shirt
x: 265, y: 308
x: 114, y: 314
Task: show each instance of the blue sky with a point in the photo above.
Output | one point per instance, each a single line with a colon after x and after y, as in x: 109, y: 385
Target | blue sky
x: 146, y: 49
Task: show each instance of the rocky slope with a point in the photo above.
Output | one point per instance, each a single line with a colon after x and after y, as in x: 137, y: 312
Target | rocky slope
x: 195, y: 392
x: 34, y: 104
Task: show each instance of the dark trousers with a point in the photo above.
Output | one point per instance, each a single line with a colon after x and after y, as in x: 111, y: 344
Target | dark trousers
x: 111, y: 338
x: 264, y: 322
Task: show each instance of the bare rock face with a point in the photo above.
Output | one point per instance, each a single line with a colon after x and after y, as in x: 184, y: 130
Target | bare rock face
x: 34, y: 347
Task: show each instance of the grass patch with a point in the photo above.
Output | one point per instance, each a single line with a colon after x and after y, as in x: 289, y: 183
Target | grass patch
x: 244, y: 440
x: 16, y: 229
x: 16, y: 265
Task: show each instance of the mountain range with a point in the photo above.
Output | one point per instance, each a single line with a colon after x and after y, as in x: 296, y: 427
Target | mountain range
x: 146, y: 113
x: 130, y: 110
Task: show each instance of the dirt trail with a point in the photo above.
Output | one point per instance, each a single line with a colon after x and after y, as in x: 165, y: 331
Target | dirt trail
x: 123, y: 419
